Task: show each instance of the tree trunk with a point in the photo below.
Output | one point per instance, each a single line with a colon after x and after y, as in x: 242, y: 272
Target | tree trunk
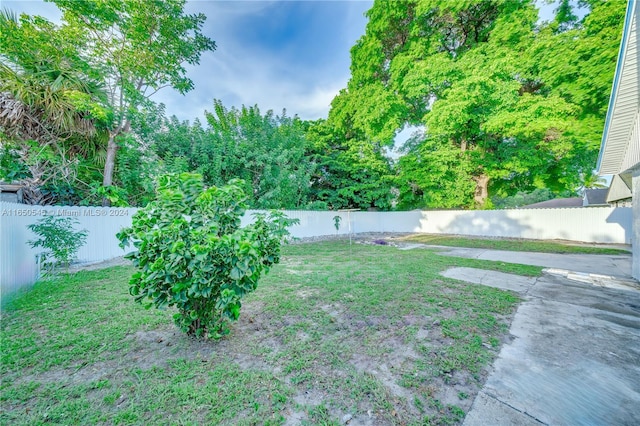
x: 109, y: 165
x: 110, y: 161
x: 482, y: 190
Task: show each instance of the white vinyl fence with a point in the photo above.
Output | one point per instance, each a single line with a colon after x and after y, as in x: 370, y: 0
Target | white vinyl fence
x: 597, y: 224
x: 18, y: 265
x: 592, y: 224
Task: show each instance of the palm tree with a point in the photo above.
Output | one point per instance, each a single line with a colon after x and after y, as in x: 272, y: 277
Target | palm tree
x: 46, y: 100
x: 40, y: 102
x: 591, y: 181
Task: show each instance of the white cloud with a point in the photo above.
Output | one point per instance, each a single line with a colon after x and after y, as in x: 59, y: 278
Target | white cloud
x: 245, y: 77
x: 34, y: 7
x: 247, y: 74
x: 301, y: 74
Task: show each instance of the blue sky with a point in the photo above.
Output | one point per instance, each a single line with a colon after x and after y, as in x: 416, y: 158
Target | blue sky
x: 276, y: 54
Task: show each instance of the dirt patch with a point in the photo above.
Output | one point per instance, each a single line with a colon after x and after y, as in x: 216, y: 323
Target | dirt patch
x: 73, y: 376
x: 306, y: 293
x: 116, y: 261
x: 154, y: 348
x: 382, y: 372
x: 348, y: 349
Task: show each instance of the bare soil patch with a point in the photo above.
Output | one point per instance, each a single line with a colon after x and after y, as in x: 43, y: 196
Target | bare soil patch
x: 337, y: 334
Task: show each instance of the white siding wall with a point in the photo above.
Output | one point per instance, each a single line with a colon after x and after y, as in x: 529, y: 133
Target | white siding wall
x: 598, y: 224
x: 635, y: 268
x: 631, y: 156
x: 619, y: 149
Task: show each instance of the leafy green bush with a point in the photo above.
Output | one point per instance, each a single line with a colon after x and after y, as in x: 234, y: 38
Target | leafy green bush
x: 58, y: 239
x: 11, y: 167
x: 116, y: 196
x: 192, y: 253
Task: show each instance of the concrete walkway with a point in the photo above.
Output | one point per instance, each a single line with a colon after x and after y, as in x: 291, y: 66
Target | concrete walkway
x: 575, y: 356
x: 618, y: 266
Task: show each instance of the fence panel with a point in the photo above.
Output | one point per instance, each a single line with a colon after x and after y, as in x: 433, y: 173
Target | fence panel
x: 598, y: 224
x: 18, y: 260
x: 592, y: 224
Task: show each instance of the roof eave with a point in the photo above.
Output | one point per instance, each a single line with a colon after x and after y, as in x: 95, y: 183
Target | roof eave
x: 626, y: 33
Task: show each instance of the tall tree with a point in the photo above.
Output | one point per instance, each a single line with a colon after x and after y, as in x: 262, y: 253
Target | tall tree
x: 51, y: 113
x: 351, y: 171
x: 506, y: 103
x: 266, y: 150
x: 138, y: 47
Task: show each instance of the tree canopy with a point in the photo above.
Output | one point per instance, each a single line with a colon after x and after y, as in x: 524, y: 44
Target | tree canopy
x: 53, y: 116
x: 131, y: 49
x: 266, y: 151
x: 507, y: 103
x: 138, y: 47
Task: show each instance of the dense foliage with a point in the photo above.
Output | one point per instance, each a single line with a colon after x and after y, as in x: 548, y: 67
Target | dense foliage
x: 136, y: 47
x: 503, y: 103
x: 64, y: 83
x: 52, y: 113
x: 193, y: 254
x: 266, y: 151
x: 506, y: 103
x: 350, y: 173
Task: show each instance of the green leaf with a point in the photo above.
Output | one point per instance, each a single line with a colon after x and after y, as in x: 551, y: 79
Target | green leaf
x: 235, y: 274
x: 209, y: 292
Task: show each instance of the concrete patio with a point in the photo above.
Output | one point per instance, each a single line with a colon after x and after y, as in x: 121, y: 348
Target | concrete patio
x: 575, y: 354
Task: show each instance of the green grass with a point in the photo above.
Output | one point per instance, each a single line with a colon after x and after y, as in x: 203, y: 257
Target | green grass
x: 335, y: 329
x: 511, y: 244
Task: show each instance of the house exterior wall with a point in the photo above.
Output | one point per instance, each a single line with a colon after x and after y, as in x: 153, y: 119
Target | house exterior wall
x: 619, y: 191
x: 635, y: 268
x: 623, y: 203
x: 632, y: 160
x: 619, y: 150
x: 631, y: 155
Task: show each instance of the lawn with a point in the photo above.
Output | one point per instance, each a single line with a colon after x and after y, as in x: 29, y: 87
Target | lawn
x: 510, y: 244
x: 335, y: 331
